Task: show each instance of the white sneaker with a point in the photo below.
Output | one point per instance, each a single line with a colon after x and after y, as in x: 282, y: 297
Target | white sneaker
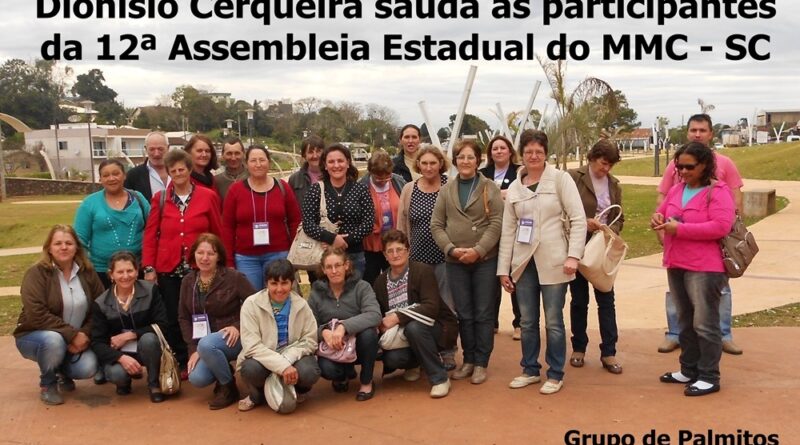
x: 411, y: 375
x: 523, y: 381
x: 440, y: 390
x: 550, y: 387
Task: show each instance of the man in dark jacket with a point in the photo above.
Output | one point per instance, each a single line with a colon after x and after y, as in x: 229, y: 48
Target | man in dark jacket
x: 150, y: 177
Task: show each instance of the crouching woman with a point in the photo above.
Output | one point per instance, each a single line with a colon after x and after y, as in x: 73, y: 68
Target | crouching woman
x: 122, y: 332
x: 279, y: 335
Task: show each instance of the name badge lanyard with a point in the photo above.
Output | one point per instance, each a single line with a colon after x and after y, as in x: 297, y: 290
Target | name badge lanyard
x: 260, y: 229
x: 200, y: 324
x: 132, y: 346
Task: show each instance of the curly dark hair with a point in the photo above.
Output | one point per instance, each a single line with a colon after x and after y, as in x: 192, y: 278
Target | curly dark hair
x: 703, y: 155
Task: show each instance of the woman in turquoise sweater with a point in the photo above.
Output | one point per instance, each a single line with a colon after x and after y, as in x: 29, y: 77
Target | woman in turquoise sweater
x: 111, y: 219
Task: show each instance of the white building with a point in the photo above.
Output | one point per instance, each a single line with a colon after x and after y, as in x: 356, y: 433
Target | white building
x: 67, y: 146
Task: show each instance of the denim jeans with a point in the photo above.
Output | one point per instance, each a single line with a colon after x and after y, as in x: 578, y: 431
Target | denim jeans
x: 367, y: 353
x: 579, y: 311
x: 725, y: 315
x: 214, y: 363
x: 254, y: 266
x: 255, y: 374
x: 148, y: 353
x: 440, y: 270
x: 49, y: 350
x: 474, y: 287
x: 697, y: 296
x: 553, y: 296
x: 422, y: 351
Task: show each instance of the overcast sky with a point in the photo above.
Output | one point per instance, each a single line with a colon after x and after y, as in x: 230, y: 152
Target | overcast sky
x: 653, y: 88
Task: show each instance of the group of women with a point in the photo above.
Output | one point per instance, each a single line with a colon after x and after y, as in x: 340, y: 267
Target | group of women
x: 417, y: 256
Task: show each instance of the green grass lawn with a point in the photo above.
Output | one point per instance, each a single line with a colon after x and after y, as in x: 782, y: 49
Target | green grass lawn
x: 12, y: 268
x: 25, y: 225
x: 773, y: 161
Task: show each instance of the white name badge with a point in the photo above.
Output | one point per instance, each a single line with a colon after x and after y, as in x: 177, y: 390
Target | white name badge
x: 261, y: 234
x: 525, y: 231
x: 131, y: 346
x: 200, y: 326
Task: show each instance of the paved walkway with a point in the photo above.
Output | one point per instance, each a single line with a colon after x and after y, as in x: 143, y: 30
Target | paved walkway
x: 761, y: 390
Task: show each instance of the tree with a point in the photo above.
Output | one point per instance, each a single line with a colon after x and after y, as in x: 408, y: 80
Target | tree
x: 32, y: 92
x: 577, y: 111
x: 624, y: 121
x: 470, y: 125
x: 91, y: 86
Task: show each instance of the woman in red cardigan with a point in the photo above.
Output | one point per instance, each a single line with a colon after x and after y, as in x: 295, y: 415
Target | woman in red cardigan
x: 260, y: 218
x: 172, y: 227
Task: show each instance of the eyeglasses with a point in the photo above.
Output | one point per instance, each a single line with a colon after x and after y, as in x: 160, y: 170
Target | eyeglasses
x: 332, y: 267
x: 687, y: 167
x: 533, y: 154
x: 466, y: 158
x: 396, y: 251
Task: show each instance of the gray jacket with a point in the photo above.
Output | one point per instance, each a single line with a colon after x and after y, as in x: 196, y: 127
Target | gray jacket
x: 357, y: 308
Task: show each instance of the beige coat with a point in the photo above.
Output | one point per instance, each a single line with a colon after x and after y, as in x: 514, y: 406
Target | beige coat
x: 259, y: 332
x: 474, y: 227
x: 556, y: 195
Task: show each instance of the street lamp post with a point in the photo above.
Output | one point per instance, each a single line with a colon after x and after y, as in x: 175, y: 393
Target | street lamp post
x: 87, y: 109
x: 250, y: 113
x: 229, y: 126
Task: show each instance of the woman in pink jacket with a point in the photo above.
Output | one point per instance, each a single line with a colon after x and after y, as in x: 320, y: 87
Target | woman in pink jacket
x: 694, y: 216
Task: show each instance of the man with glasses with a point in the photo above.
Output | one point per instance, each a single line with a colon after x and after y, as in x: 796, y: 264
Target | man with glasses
x: 150, y: 177
x: 701, y: 130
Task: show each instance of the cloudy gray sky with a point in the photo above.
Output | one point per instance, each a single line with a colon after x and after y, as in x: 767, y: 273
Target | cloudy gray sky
x: 654, y: 88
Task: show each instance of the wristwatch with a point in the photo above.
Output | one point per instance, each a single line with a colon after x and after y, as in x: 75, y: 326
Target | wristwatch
x: 149, y: 269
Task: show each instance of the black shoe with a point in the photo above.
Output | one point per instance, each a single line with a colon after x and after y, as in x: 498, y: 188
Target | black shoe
x: 364, y: 396
x: 65, y: 384
x: 340, y: 386
x: 156, y: 396
x: 123, y: 390
x: 668, y: 378
x: 692, y: 391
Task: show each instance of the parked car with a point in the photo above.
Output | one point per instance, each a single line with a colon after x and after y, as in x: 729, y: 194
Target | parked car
x: 360, y: 155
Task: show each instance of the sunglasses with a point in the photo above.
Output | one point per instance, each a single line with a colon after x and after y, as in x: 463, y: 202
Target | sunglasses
x: 687, y: 167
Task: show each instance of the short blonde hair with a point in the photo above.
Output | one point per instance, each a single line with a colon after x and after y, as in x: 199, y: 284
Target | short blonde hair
x: 435, y: 151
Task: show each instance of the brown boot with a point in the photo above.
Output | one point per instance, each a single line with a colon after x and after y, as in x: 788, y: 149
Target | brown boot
x: 225, y: 396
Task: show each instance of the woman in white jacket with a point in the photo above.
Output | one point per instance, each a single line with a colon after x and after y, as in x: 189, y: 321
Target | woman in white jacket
x: 279, y: 335
x: 539, y: 256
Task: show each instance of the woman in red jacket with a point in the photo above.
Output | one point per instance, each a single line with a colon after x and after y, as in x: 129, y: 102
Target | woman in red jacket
x: 260, y: 218
x: 177, y: 217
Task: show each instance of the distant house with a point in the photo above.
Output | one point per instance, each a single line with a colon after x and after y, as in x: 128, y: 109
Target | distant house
x: 67, y: 145
x: 638, y: 139
x: 219, y: 98
x: 766, y: 119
